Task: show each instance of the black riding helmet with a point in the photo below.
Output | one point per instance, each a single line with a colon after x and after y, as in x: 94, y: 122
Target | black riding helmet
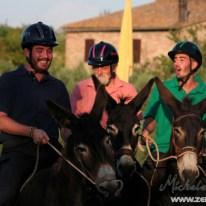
x: 188, y: 48
x: 102, y: 54
x: 38, y: 34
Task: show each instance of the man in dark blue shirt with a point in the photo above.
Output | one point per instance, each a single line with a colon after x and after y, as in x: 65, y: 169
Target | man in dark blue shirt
x: 25, y: 121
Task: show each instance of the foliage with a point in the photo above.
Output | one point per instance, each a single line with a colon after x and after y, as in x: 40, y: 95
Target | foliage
x: 160, y: 66
x: 70, y: 76
x: 10, y: 51
x: 139, y: 80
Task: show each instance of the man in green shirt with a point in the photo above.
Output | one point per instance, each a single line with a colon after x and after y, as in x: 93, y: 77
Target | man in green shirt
x: 187, y: 59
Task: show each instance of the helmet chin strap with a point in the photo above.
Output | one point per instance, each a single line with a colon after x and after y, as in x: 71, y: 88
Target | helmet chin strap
x: 112, y: 74
x: 29, y: 58
x: 184, y: 81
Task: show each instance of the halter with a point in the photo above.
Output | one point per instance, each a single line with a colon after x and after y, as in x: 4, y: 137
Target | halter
x: 124, y: 151
x: 186, y: 149
x: 181, y: 151
x: 186, y: 115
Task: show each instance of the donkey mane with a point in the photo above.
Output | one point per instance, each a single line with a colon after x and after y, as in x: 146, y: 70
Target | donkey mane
x: 186, y: 104
x: 91, y: 129
x: 123, y: 100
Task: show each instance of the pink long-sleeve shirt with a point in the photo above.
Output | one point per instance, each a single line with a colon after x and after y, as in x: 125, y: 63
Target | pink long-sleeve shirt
x: 83, y: 95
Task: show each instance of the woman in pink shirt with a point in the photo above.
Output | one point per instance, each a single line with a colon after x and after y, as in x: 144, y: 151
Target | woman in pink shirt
x: 103, y: 58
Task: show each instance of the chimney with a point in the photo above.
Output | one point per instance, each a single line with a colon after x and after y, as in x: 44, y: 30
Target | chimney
x: 183, y: 12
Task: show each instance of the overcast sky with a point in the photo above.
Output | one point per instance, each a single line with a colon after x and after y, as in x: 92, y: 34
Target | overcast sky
x: 56, y: 12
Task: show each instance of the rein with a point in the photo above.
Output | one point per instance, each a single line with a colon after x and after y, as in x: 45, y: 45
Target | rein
x: 71, y: 164
x: 63, y: 157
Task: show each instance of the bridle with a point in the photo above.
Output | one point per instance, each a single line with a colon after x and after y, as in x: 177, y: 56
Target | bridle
x: 124, y: 151
x: 127, y: 150
x: 180, y: 151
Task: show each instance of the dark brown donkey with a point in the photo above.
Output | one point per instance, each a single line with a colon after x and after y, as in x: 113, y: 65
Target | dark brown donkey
x: 123, y: 126
x: 187, y: 139
x: 89, y: 148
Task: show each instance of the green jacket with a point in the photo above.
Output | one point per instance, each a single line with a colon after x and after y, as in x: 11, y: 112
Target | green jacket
x: 156, y: 109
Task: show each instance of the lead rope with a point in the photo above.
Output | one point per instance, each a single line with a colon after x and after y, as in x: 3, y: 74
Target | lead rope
x: 62, y: 156
x: 71, y: 164
x: 157, y: 160
x: 34, y: 170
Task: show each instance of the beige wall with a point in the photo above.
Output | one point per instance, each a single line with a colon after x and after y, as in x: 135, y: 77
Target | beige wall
x: 152, y: 44
x: 75, y: 45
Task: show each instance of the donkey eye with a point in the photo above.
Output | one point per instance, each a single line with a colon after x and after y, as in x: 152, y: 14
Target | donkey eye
x: 112, y: 129
x: 135, y: 129
x: 81, y: 148
x: 177, y: 131
x: 201, y: 133
x: 108, y: 141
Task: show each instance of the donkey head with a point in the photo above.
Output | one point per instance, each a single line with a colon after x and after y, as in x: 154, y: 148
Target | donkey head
x: 123, y: 125
x: 89, y: 147
x: 187, y: 132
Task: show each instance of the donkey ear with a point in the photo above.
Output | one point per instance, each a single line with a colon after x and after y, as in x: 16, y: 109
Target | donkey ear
x: 141, y: 97
x: 102, y: 101
x: 99, y: 103
x: 200, y: 107
x: 62, y: 116
x: 167, y: 97
x: 111, y: 104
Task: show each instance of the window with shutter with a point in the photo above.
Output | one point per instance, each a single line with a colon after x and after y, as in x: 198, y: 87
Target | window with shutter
x: 136, y: 50
x: 88, y: 44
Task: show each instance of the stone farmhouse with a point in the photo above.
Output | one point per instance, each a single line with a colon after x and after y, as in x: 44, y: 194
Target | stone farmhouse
x: 152, y: 24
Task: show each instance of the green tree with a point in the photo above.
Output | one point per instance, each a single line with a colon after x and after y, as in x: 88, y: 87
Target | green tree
x: 10, y: 50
